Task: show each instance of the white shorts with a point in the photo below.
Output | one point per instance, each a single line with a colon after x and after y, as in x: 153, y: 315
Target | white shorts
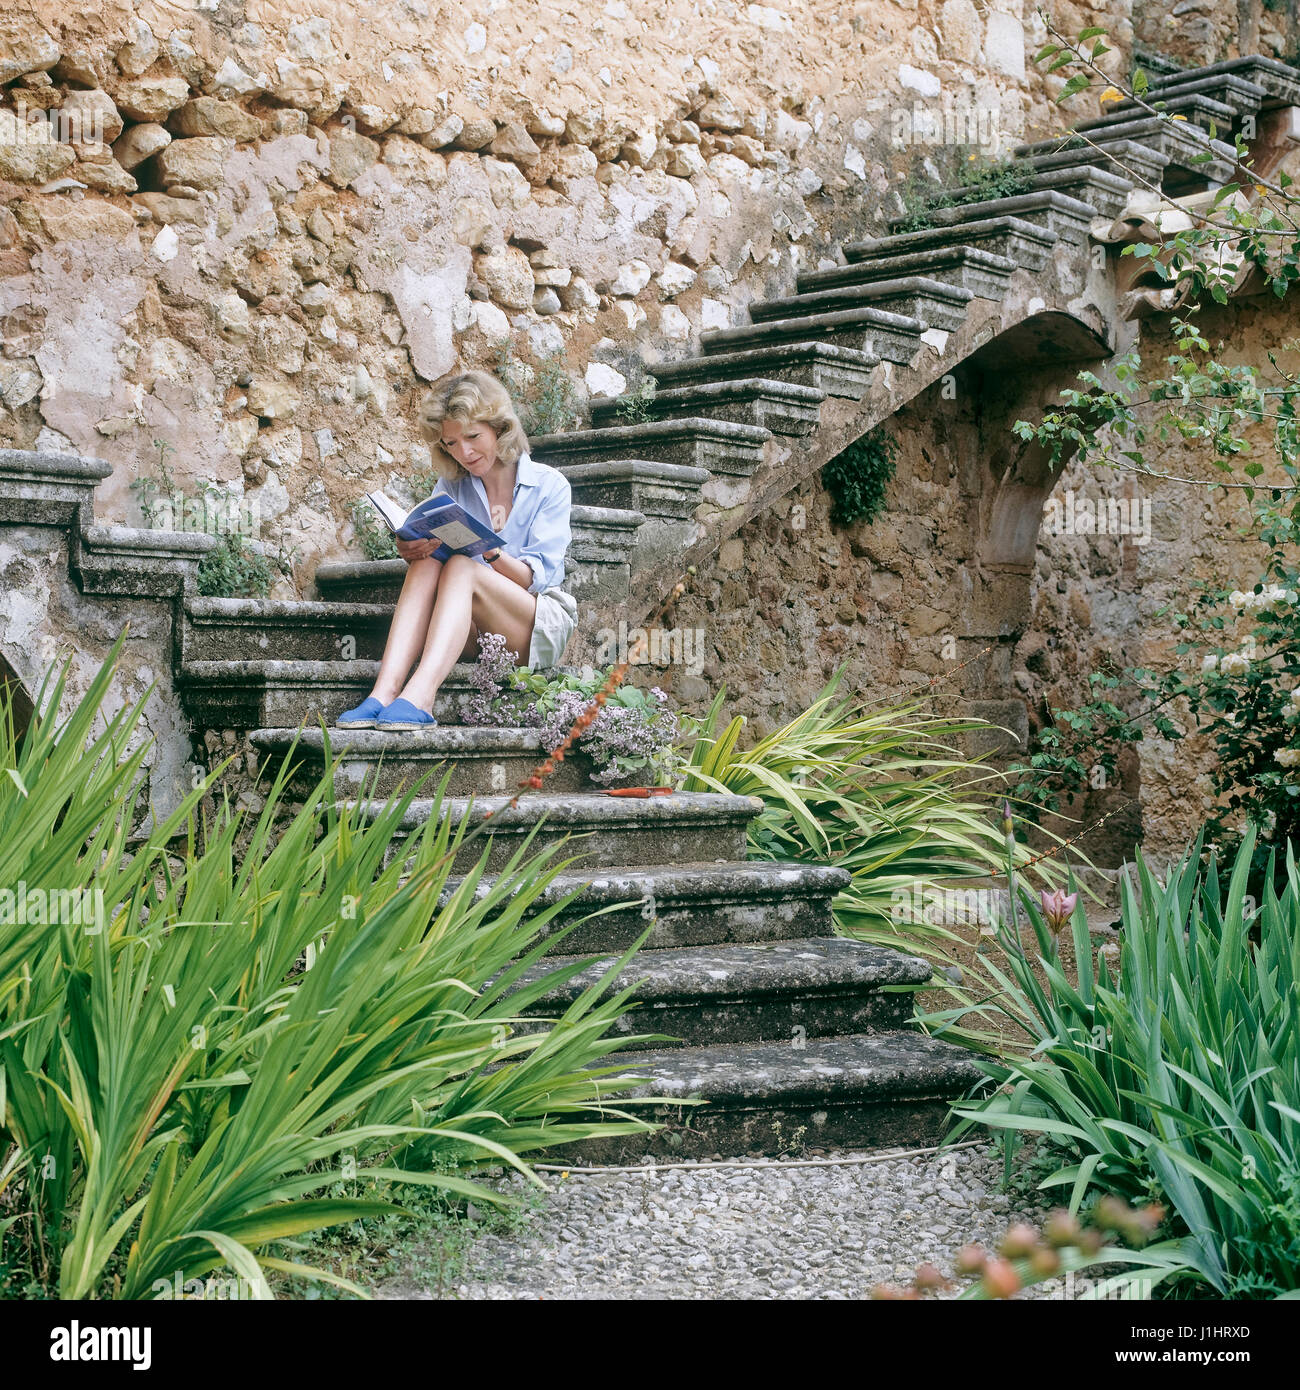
x: 557, y: 616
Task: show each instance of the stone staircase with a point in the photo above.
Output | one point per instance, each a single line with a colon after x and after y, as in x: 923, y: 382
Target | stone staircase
x: 780, y: 1026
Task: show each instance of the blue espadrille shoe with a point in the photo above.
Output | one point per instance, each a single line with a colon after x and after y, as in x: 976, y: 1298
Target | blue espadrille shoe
x: 363, y: 717
x: 402, y: 714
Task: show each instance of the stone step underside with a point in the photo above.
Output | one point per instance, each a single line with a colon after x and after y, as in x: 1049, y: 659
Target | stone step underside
x: 930, y: 301
x: 1015, y: 239
x: 720, y: 446
x: 690, y: 904
x: 684, y: 828
x: 863, y: 1091
x: 830, y: 367
x: 779, y: 406
x: 782, y: 991
x: 969, y: 268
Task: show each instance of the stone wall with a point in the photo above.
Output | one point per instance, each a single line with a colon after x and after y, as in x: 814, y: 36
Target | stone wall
x: 277, y: 223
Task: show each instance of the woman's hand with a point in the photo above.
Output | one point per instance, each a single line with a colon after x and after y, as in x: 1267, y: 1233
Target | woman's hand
x: 416, y: 550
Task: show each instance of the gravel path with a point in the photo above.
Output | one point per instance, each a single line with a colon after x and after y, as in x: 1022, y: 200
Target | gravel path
x: 769, y: 1231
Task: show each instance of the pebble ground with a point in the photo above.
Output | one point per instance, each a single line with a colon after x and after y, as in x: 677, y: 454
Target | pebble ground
x: 774, y: 1230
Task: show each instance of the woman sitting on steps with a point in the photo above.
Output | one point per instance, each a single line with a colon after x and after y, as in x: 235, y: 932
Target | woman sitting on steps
x: 480, y: 449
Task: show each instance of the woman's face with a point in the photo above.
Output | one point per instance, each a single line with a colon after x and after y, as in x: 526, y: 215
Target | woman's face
x: 472, y: 443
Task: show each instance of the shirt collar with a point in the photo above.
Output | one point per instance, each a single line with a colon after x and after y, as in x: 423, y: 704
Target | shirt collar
x: 527, y: 473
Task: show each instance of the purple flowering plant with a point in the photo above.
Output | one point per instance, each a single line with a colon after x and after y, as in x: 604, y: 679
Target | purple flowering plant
x: 635, y: 731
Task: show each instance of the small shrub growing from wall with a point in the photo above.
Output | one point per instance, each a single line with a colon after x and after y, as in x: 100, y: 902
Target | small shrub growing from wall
x: 858, y: 477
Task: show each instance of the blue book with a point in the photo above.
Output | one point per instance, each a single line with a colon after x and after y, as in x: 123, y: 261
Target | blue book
x: 438, y: 518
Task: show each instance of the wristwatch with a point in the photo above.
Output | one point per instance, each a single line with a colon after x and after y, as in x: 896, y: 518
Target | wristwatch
x: 493, y: 557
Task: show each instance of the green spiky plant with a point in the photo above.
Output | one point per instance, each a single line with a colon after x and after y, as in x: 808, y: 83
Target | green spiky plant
x: 881, y: 791
x: 1177, y: 1077
x: 186, y: 1070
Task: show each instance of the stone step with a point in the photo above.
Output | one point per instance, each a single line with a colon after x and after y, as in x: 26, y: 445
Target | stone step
x: 933, y: 302
x: 780, y: 406
x: 870, y: 1090
x: 1182, y: 145
x: 1237, y: 93
x: 249, y: 629
x: 684, y: 828
x: 721, y: 446
x: 1121, y: 158
x: 1197, y: 108
x: 830, y: 367
x: 970, y: 268
x: 382, y: 762
x: 895, y: 337
x: 1025, y: 243
x: 1104, y: 191
x: 1278, y: 80
x: 774, y: 991
x: 702, y: 904
x: 665, y: 494
x: 596, y: 566
x: 1069, y: 218
x: 283, y: 694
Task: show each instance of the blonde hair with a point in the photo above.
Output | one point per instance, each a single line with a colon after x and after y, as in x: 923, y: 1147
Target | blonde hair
x: 476, y: 396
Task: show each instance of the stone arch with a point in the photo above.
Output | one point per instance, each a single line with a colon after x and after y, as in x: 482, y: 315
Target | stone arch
x: 15, y: 692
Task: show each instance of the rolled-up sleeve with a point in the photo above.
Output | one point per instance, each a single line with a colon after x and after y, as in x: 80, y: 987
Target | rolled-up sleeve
x: 549, y: 536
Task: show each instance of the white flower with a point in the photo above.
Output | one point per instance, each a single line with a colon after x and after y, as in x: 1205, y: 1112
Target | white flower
x: 1238, y: 599
x: 1288, y: 757
x: 1211, y: 662
x: 1294, y: 696
x: 1234, y: 664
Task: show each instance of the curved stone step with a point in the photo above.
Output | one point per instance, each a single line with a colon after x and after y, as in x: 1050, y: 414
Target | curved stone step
x: 704, y: 904
x: 780, y: 406
x: 1122, y: 158
x: 770, y: 991
x: 830, y: 367
x: 895, y: 337
x: 250, y: 629
x: 1069, y: 218
x: 383, y: 761
x: 863, y: 1091
x: 982, y: 273
x: 1238, y: 93
x: 721, y: 446
x: 933, y: 302
x: 1278, y: 80
x: 1197, y: 107
x: 1023, y: 242
x: 1183, y: 148
x: 686, y: 827
x: 1103, y: 190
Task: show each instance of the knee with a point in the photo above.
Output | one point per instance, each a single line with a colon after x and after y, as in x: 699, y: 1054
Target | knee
x: 464, y: 567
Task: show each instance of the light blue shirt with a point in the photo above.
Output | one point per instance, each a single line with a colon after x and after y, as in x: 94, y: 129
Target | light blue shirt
x: 537, y: 529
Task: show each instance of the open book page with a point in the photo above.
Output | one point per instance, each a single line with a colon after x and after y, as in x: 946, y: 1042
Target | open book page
x: 439, y: 518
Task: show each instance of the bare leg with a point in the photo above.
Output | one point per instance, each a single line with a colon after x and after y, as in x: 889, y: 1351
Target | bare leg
x: 410, y: 624
x: 470, y: 598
